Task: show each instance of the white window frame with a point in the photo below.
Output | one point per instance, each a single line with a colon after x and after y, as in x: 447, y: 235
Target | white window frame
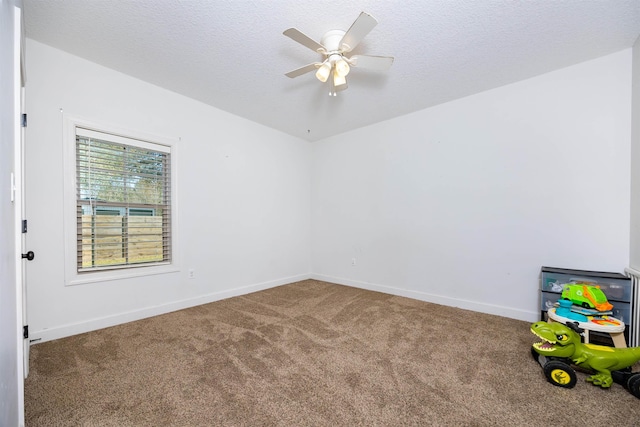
x: 72, y: 276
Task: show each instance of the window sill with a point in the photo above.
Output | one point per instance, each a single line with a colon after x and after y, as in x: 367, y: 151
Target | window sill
x: 128, y: 273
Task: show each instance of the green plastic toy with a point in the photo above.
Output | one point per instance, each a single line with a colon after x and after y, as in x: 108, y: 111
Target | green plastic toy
x: 588, y: 296
x: 561, y: 346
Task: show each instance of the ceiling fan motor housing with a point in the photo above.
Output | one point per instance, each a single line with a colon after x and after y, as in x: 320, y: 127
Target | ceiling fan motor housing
x: 331, y: 41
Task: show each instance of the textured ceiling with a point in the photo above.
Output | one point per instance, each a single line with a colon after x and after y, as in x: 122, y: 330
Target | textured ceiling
x: 233, y: 56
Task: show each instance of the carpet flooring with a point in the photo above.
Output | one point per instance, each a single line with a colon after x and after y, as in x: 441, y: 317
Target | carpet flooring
x: 310, y: 354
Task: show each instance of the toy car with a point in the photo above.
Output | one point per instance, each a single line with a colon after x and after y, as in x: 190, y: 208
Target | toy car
x: 587, y: 296
x: 561, y: 348
x: 559, y: 372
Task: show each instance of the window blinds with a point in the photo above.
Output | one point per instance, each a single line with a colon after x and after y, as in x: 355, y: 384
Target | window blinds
x: 123, y: 198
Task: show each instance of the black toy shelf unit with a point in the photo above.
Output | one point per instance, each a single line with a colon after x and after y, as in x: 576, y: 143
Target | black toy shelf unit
x: 617, y: 287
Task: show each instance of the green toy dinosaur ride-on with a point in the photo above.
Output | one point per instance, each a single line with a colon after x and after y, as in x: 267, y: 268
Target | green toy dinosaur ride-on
x: 561, y: 347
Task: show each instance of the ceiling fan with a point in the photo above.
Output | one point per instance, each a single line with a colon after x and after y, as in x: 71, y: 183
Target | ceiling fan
x: 334, y: 47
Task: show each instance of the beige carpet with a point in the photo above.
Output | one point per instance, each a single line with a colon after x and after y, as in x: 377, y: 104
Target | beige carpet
x: 310, y: 354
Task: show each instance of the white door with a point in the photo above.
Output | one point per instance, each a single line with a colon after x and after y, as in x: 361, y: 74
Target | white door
x: 27, y: 255
x: 17, y: 197
x: 19, y: 187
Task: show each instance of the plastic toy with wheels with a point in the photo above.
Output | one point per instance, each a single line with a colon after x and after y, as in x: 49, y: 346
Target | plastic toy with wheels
x: 561, y: 347
x: 588, y: 296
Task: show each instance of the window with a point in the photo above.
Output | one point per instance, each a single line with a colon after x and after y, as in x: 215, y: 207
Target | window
x: 123, y: 202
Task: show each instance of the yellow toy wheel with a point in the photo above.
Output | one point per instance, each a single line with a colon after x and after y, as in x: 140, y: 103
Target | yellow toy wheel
x: 560, y: 374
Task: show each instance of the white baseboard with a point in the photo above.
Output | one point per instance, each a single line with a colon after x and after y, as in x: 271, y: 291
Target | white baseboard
x: 527, y: 316
x: 120, y: 318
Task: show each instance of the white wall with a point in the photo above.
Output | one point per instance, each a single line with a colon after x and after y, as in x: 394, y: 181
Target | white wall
x: 11, y: 407
x: 462, y: 203
x: 634, y: 256
x: 243, y: 197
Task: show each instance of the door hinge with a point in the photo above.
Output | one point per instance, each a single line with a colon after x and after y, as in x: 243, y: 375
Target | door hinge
x: 24, y: 225
x: 25, y: 331
x: 24, y: 120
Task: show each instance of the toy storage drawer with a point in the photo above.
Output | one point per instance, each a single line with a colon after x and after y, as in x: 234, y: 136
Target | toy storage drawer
x: 547, y: 300
x: 615, y: 286
x: 622, y: 311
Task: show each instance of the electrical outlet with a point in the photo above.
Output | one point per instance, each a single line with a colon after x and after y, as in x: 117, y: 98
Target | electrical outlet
x: 353, y: 261
x: 192, y: 274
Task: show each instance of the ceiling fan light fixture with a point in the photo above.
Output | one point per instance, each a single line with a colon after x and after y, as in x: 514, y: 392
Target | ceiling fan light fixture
x: 338, y: 80
x: 342, y: 67
x: 324, y: 71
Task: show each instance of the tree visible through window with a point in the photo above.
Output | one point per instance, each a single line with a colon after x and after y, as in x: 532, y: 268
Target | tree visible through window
x: 123, y: 201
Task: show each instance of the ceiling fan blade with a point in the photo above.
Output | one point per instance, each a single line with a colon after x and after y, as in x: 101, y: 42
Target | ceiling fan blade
x: 303, y: 39
x: 303, y: 70
x: 358, y: 30
x: 378, y: 63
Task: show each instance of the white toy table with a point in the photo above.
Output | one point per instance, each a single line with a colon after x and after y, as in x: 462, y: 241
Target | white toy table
x: 610, y: 325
